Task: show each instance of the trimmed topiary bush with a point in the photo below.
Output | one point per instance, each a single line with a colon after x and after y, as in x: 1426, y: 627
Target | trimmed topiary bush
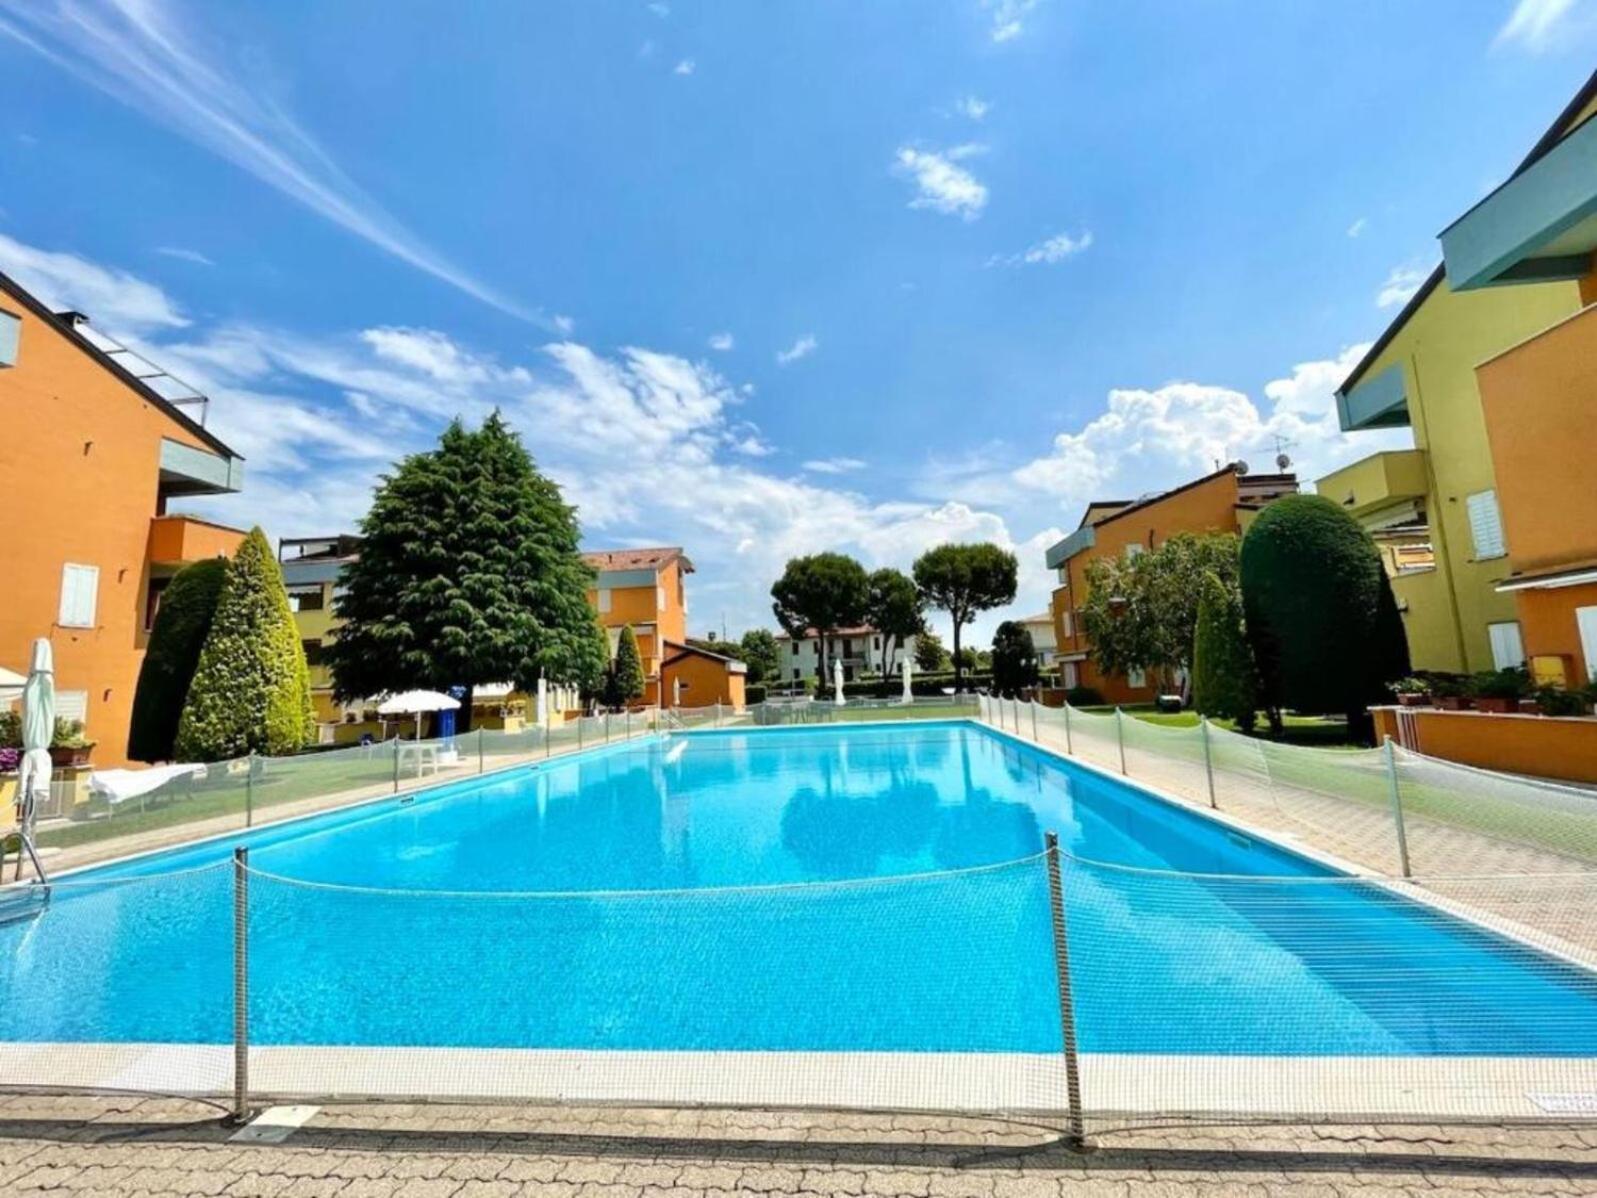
x: 1324, y: 629
x: 251, y: 689
x: 627, y: 672
x: 181, y: 624
x: 1222, y: 665
x: 1084, y: 696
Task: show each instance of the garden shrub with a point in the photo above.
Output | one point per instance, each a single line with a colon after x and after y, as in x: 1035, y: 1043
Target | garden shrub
x: 1084, y: 696
x: 181, y: 624
x: 1222, y: 665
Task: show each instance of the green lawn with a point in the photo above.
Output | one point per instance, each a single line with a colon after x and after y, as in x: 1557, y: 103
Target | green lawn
x: 1318, y: 731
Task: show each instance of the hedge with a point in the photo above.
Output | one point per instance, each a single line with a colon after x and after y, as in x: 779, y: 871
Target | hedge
x: 181, y: 624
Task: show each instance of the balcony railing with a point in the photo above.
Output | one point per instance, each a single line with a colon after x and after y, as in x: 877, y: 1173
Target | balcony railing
x: 177, y: 540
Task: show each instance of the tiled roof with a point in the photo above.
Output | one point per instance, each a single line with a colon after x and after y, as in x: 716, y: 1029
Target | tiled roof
x: 635, y: 559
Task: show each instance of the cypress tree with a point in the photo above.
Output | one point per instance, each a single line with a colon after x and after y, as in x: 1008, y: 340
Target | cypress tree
x: 1222, y: 664
x: 181, y: 624
x: 251, y: 690
x: 469, y: 572
x: 628, y: 669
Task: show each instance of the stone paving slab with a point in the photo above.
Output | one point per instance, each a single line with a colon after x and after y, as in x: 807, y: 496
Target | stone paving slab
x: 70, y: 1146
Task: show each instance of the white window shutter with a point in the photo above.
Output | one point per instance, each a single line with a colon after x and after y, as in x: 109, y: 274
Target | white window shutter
x: 604, y: 599
x: 80, y: 587
x: 1485, y: 525
x: 72, y: 705
x: 1508, y: 649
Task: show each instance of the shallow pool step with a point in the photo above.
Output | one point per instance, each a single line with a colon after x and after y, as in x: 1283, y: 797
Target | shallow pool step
x: 22, y: 903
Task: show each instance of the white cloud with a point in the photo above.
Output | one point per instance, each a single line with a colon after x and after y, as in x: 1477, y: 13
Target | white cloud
x: 1533, y: 23
x: 139, y: 52
x: 833, y: 465
x: 941, y: 183
x: 1400, y: 286
x: 684, y: 67
x: 721, y: 341
x: 562, y: 324
x: 802, y: 348
x: 973, y: 107
x: 184, y: 255
x: 1047, y: 252
x: 111, y: 297
x: 1008, y: 17
x: 1357, y: 227
x: 660, y: 10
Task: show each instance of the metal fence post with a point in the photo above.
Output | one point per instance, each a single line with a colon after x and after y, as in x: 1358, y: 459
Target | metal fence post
x: 396, y: 763
x: 1208, y: 761
x: 241, y: 987
x: 480, y: 766
x: 547, y: 724
x: 1067, y: 1006
x: 1120, y: 735
x: 627, y: 724
x: 579, y: 732
x: 1033, y: 706
x: 607, y: 727
x: 1397, y: 807
x: 1069, y: 744
x: 718, y: 713
x: 249, y: 790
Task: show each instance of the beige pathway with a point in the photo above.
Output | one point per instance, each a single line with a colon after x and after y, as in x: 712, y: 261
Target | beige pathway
x: 82, y: 1146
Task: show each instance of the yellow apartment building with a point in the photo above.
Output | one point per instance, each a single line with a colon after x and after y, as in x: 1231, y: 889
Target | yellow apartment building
x: 1421, y: 374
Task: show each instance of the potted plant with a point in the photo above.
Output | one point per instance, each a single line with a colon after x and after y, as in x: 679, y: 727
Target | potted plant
x: 1500, y: 690
x: 68, y: 746
x: 1451, y: 692
x: 1412, y: 692
x: 1555, y: 700
x: 10, y: 763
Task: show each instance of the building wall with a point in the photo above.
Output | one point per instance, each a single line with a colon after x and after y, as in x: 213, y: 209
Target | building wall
x: 1547, y: 625
x: 1438, y: 348
x: 862, y: 656
x: 1533, y: 745
x: 703, y: 681
x: 81, y: 462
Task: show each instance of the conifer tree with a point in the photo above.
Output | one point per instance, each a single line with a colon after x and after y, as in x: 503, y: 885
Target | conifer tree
x: 187, y: 607
x: 251, y: 691
x: 1222, y: 664
x: 628, y: 669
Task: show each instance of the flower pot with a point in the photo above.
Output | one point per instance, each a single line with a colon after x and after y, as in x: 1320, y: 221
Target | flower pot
x: 67, y: 756
x: 1413, y: 700
x: 1496, y: 705
x: 1452, y: 703
x: 1529, y: 707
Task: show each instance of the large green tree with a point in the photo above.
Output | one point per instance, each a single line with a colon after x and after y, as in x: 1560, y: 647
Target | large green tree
x: 1141, y: 612
x: 626, y: 672
x: 824, y: 592
x: 184, y: 618
x: 1014, y: 658
x: 1325, y: 630
x: 896, y: 610
x: 931, y: 655
x: 251, y: 690
x: 1222, y: 664
x: 762, y: 655
x: 964, y: 581
x: 469, y: 572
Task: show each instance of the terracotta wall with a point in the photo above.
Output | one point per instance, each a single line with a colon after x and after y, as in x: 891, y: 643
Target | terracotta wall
x: 1538, y: 746
x: 80, y: 458
x: 1547, y: 626
x: 704, y: 681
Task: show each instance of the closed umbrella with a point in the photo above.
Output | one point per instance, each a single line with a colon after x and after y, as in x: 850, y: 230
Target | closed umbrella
x: 909, y: 693
x: 837, y: 680
x: 38, y: 729
x: 416, y: 702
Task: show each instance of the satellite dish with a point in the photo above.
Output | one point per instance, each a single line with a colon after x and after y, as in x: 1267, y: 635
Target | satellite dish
x: 1282, y: 461
x: 1242, y: 467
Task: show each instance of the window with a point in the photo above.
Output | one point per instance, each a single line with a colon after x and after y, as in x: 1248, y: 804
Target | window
x: 313, y: 652
x: 1508, y: 650
x: 659, y: 598
x: 796, y: 674
x: 306, y: 596
x: 1485, y: 525
x: 72, y: 705
x: 604, y: 599
x: 1135, y: 549
x: 1069, y: 624
x: 1586, y: 623
x: 1137, y: 678
x: 1072, y: 675
x: 10, y: 334
x: 80, y: 586
x: 152, y: 601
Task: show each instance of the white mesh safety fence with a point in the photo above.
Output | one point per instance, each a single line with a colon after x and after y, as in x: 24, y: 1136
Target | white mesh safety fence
x: 1387, y: 811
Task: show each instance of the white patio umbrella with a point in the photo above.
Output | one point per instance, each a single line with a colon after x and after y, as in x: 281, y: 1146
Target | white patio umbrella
x: 38, y: 729
x: 837, y: 681
x: 909, y: 695
x: 415, y: 703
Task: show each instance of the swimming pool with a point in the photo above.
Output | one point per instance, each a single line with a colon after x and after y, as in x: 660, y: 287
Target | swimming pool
x: 849, y: 888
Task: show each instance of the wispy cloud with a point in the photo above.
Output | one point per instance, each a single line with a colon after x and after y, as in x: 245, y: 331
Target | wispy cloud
x: 108, y: 296
x: 802, y: 348
x: 685, y: 67
x: 139, y: 52
x: 1357, y: 227
x: 184, y: 255
x: 660, y: 10
x: 833, y: 465
x: 1047, y: 252
x: 1533, y: 23
x: 973, y: 107
x: 1400, y: 286
x: 1008, y: 17
x: 941, y: 184
x: 721, y: 341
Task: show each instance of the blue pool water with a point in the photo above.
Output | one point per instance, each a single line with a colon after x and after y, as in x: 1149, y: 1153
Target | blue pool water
x: 653, y: 896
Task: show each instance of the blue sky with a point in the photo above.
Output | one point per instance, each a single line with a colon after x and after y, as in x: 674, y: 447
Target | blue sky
x: 764, y: 278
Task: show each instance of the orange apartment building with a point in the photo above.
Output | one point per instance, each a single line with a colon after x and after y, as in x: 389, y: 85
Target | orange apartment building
x: 93, y: 457
x: 1225, y: 501
x: 646, y: 589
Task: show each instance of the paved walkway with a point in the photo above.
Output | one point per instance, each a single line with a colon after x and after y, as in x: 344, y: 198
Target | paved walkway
x: 59, y: 1146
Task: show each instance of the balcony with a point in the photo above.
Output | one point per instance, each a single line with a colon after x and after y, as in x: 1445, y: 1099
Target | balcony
x: 1083, y: 538
x: 178, y: 540
x: 1383, y: 480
